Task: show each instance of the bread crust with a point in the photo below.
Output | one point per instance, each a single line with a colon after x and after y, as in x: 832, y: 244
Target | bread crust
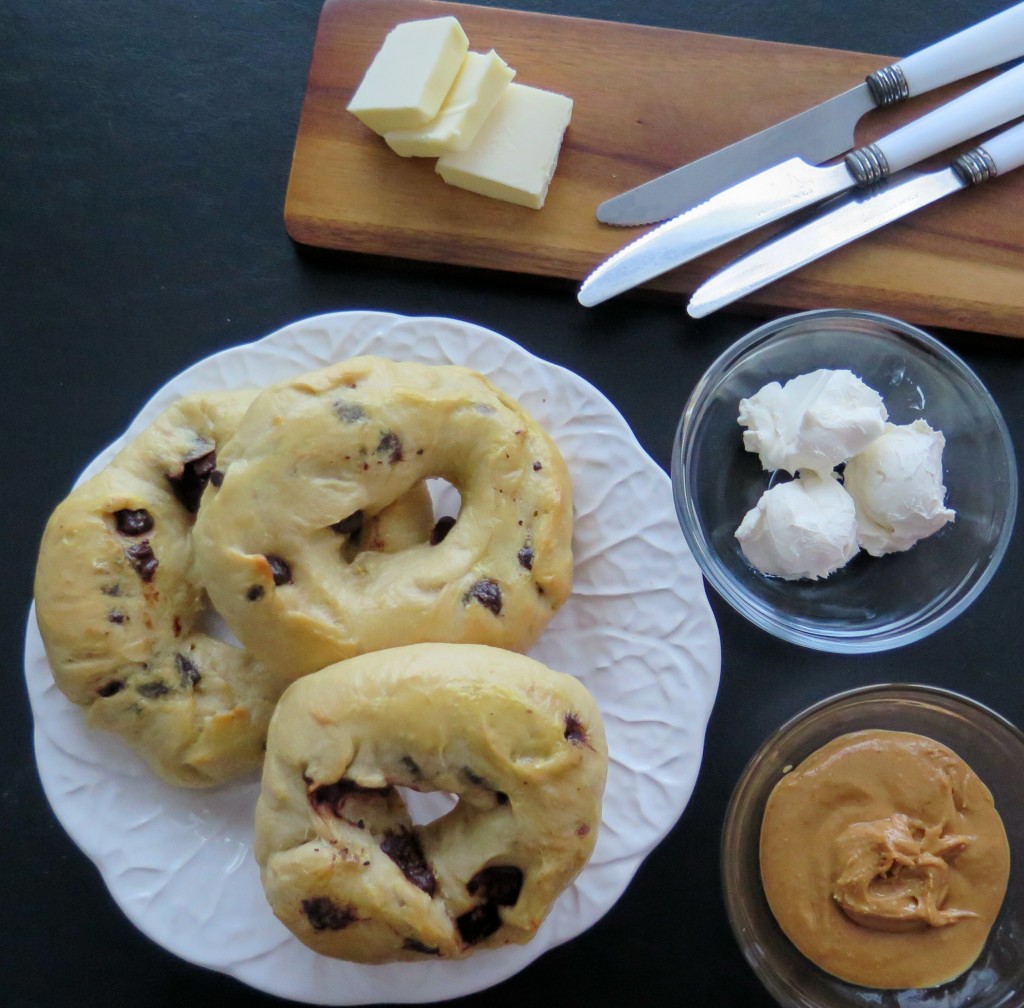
x: 343, y: 865
x: 349, y: 439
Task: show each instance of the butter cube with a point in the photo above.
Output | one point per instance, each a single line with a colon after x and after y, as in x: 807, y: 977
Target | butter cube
x: 409, y: 77
x: 479, y: 84
x: 516, y: 150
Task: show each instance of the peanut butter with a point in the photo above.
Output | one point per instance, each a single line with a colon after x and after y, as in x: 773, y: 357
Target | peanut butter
x: 884, y: 860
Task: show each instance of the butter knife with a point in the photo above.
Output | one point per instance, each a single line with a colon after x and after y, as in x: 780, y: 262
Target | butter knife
x: 786, y: 188
x: 827, y: 130
x: 853, y: 216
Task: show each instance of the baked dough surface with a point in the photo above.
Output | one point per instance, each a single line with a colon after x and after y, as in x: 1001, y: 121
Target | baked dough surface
x: 121, y: 608
x: 316, y: 452
x: 343, y: 865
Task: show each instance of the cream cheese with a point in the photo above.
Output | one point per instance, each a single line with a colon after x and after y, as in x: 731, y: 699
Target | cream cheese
x: 812, y: 423
x: 897, y: 486
x: 805, y: 528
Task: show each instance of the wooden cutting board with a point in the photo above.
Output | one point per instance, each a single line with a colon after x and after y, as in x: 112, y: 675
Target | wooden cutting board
x: 646, y: 100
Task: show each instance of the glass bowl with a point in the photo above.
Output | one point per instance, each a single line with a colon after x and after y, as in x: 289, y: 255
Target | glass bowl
x: 873, y: 603
x: 989, y: 744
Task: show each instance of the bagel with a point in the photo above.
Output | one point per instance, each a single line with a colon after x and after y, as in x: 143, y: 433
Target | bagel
x: 342, y: 864
x: 120, y: 607
x: 323, y: 449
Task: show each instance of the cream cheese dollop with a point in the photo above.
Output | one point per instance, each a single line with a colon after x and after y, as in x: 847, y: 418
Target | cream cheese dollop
x: 803, y: 528
x: 896, y: 483
x: 814, y: 422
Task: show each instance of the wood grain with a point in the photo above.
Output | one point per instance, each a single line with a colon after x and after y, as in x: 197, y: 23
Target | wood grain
x: 646, y: 100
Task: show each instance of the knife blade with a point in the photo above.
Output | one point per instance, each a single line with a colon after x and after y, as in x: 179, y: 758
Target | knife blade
x: 786, y: 188
x: 827, y: 130
x: 852, y: 216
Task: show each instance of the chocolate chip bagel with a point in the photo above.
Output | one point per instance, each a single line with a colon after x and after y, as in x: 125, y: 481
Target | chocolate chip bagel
x: 343, y: 865
x: 317, y: 453
x: 120, y: 606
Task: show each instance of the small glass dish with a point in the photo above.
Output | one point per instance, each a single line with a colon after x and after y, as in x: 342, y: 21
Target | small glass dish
x: 873, y: 603
x: 988, y: 743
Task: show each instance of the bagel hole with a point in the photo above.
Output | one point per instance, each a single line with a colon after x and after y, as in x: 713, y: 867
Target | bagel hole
x: 426, y: 806
x: 211, y: 623
x: 446, y: 499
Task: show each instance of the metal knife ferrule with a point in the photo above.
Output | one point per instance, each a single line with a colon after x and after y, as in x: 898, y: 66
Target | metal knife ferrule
x: 867, y: 165
x: 888, y: 86
x: 975, y: 166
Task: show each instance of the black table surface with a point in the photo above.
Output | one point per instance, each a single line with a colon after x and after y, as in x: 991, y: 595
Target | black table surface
x: 144, y: 163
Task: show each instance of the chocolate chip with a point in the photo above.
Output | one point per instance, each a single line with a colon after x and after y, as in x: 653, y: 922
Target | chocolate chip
x: 479, y: 923
x: 113, y: 590
x: 349, y: 412
x: 324, y: 914
x: 574, y: 731
x: 350, y: 525
x: 133, y: 522
x: 187, y: 671
x: 142, y: 559
x: 254, y: 593
x: 411, y: 765
x: 153, y: 690
x: 411, y: 945
x: 280, y: 569
x: 189, y: 484
x: 537, y: 467
x: 487, y: 593
x: 498, y: 884
x: 441, y: 529
x: 404, y: 849
x: 390, y: 445
x: 216, y: 477
x: 110, y: 688
x: 500, y: 797
x: 116, y: 616
x: 525, y: 557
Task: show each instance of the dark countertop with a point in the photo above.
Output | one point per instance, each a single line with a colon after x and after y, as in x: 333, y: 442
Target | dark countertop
x: 146, y: 155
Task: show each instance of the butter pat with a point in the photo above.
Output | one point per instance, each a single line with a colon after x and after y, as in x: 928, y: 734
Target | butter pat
x: 516, y: 150
x: 411, y: 74
x: 479, y: 85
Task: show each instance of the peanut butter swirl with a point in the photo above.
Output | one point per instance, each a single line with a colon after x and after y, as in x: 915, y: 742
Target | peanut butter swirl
x: 894, y: 874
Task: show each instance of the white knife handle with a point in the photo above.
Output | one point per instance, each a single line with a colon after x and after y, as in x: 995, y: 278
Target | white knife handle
x: 996, y: 156
x: 989, y: 43
x: 991, y: 104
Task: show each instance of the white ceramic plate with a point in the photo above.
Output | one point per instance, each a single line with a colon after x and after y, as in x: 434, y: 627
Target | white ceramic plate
x: 638, y: 631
